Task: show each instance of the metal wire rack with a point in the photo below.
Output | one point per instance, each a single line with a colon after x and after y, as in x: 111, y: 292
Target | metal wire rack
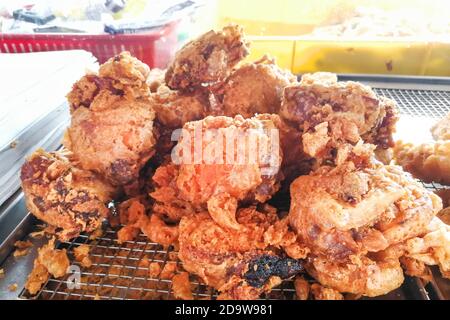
x: 122, y: 271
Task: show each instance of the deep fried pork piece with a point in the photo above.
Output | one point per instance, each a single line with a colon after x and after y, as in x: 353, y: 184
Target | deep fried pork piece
x: 64, y: 196
x: 207, y: 59
x: 174, y: 108
x: 429, y: 162
x: 321, y: 98
x: 255, y: 88
x: 111, y: 131
x: 441, y: 130
x: 237, y: 263
x: 221, y: 162
x: 346, y: 214
x: 50, y: 261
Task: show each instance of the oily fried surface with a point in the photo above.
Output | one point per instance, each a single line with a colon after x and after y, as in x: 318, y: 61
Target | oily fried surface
x: 64, y: 196
x: 207, y: 59
x: 218, y: 179
x: 441, y: 130
x: 174, y: 108
x: 429, y: 162
x: 50, y: 261
x: 227, y: 259
x: 111, y: 130
x: 319, y: 97
x: 255, y: 88
x: 344, y: 211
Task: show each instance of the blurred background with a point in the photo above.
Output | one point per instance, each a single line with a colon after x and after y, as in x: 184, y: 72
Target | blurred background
x: 403, y: 37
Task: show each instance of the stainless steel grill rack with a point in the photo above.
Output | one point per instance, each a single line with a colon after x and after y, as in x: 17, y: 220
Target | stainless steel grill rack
x: 120, y: 271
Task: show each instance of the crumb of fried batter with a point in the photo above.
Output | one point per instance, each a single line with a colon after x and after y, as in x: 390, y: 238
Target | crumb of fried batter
x: 154, y: 270
x: 2, y: 273
x: 82, y: 255
x: 323, y: 293
x: 20, y: 252
x: 13, y: 287
x: 23, y: 244
x: 302, y: 288
x: 97, y: 297
x: 168, y: 271
x: 96, y: 234
x: 37, y: 234
x: 182, y: 287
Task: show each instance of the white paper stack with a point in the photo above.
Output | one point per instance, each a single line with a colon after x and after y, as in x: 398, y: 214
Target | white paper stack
x: 33, y: 107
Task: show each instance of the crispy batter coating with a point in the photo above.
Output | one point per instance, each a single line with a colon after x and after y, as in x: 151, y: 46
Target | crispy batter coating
x: 174, y: 108
x: 64, y: 196
x: 323, y: 293
x: 207, y: 59
x: 345, y: 211
x: 50, y: 261
x: 81, y: 254
x: 360, y: 276
x: 441, y: 130
x: 238, y: 161
x: 302, y: 288
x: 216, y: 253
x: 111, y: 131
x: 429, y: 162
x: 182, y: 287
x: 321, y: 98
x: 155, y: 79
x: 255, y: 88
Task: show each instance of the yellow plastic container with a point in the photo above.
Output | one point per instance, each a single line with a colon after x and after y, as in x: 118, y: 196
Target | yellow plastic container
x: 279, y: 28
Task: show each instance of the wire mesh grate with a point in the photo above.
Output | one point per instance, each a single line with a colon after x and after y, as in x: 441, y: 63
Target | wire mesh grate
x: 124, y: 271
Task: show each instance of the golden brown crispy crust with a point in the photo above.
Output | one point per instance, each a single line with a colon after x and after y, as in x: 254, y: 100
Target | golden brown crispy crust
x: 362, y: 276
x: 302, y: 288
x: 174, y: 108
x: 111, y: 131
x: 182, y: 287
x: 222, y: 257
x: 254, y: 88
x: 343, y: 211
x: 188, y: 187
x: 207, y: 59
x: 323, y: 293
x: 320, y: 98
x: 50, y: 261
x: 429, y: 162
x: 155, y: 79
x: 66, y: 197
x: 441, y: 130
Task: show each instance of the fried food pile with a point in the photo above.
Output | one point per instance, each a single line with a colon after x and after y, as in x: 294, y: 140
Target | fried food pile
x: 199, y: 156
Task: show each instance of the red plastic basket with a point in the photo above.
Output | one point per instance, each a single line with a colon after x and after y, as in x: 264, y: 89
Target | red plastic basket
x: 155, y: 47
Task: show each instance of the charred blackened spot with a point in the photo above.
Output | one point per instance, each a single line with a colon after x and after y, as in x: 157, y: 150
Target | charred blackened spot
x: 122, y: 171
x: 206, y: 52
x: 117, y: 58
x: 265, y: 266
x: 349, y: 198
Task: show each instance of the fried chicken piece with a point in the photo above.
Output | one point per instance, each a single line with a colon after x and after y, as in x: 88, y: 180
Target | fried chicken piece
x: 237, y: 263
x: 255, y: 88
x: 207, y: 59
x: 344, y: 211
x: 432, y: 248
x: 321, y: 98
x: 441, y: 130
x: 111, y: 130
x: 50, y: 261
x: 362, y: 276
x: 156, y: 79
x: 181, y: 286
x: 429, y: 162
x: 64, y: 196
x: 174, y: 108
x: 219, y: 162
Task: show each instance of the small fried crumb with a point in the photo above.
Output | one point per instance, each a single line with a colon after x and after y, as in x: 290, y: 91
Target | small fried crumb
x: 12, y: 287
x: 97, y: 297
x: 82, y: 255
x: 37, y: 234
x: 20, y: 253
x: 168, y: 271
x: 181, y: 286
x: 301, y: 288
x: 2, y: 273
x: 323, y: 293
x: 23, y: 244
x: 154, y: 269
x: 96, y: 234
